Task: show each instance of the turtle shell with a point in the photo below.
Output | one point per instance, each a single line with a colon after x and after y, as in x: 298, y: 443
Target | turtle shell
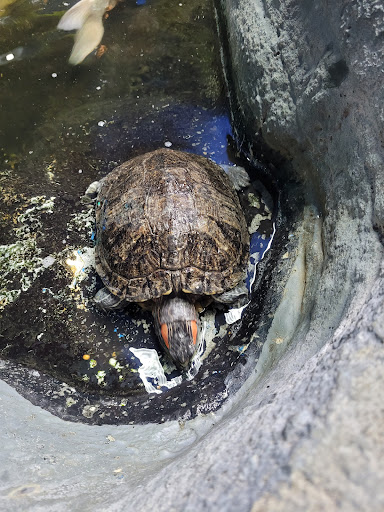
x: 169, y: 221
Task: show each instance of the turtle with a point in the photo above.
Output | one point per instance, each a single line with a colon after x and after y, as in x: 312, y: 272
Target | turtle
x: 170, y: 232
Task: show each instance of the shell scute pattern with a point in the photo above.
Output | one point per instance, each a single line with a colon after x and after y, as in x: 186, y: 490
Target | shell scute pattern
x: 166, y: 221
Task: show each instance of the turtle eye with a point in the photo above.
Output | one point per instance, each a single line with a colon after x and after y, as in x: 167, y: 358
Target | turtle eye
x: 164, y: 334
x: 194, y: 331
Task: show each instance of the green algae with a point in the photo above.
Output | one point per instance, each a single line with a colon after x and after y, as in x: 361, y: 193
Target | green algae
x: 21, y: 262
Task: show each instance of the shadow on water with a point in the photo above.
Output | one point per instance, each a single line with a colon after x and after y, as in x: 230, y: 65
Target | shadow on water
x: 159, y: 82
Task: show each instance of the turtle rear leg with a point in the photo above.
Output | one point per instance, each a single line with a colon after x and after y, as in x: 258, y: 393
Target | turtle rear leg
x: 238, y: 293
x: 105, y: 300
x: 238, y: 175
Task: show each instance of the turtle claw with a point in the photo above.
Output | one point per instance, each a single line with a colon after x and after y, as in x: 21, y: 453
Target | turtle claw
x: 105, y: 300
x: 238, y: 175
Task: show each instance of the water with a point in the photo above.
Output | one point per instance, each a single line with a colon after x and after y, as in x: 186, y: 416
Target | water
x: 158, y: 83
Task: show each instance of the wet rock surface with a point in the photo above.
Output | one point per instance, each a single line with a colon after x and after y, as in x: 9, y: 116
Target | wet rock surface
x: 314, y: 96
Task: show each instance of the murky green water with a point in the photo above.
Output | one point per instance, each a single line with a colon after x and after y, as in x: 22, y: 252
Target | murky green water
x: 159, y: 82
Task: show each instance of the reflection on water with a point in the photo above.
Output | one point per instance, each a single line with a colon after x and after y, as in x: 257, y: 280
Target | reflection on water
x: 156, y: 83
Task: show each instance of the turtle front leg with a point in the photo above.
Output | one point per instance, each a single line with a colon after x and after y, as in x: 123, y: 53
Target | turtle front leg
x: 91, y: 192
x: 105, y: 300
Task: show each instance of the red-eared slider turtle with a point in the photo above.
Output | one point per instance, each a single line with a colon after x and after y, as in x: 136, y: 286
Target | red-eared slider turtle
x: 169, y: 231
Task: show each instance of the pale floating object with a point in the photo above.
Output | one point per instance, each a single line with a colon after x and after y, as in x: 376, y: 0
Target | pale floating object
x: 11, y: 55
x: 79, y: 264
x: 48, y: 261
x: 87, y: 18
x: 151, y: 369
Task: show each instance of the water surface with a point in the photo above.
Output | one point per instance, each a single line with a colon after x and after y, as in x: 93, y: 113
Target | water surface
x: 158, y: 83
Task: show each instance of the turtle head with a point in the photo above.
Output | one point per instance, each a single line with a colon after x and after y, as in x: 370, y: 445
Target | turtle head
x: 177, y: 325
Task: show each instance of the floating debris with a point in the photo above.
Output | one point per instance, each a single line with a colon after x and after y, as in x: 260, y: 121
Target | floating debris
x: 80, y: 265
x: 151, y: 372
